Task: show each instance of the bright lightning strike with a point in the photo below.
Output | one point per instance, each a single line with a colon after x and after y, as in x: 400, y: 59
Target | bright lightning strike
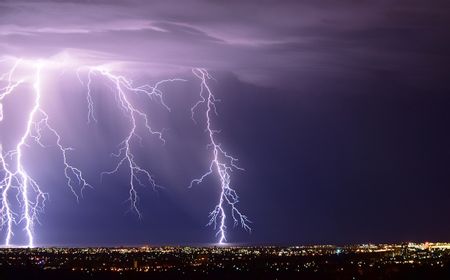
x: 125, y: 155
x: 21, y: 197
x: 17, y: 184
x: 222, y: 164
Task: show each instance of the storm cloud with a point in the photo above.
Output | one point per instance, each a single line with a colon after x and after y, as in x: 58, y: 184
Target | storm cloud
x: 270, y: 43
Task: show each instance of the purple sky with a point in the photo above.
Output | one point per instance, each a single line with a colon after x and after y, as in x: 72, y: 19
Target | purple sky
x: 338, y: 111
x: 266, y: 42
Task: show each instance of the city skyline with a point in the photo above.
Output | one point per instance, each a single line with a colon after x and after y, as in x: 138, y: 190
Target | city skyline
x: 364, y: 261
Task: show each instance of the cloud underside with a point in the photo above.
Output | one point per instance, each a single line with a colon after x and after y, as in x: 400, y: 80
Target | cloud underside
x: 266, y: 42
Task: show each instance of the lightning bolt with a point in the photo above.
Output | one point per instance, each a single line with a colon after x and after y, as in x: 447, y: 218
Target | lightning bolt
x: 22, y: 199
x: 16, y: 178
x: 125, y: 154
x: 222, y: 164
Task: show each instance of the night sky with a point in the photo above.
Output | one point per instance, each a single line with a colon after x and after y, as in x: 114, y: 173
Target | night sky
x: 338, y: 111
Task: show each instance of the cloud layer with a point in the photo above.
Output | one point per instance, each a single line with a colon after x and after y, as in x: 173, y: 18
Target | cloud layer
x: 268, y: 42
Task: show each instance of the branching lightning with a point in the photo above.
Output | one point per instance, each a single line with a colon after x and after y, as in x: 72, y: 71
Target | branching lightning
x: 222, y: 164
x: 16, y: 178
x: 125, y: 155
x: 21, y: 197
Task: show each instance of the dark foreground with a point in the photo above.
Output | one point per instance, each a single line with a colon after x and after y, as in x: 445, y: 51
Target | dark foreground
x: 403, y: 261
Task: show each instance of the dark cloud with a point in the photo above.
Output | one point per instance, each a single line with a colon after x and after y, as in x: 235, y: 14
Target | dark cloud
x: 255, y: 40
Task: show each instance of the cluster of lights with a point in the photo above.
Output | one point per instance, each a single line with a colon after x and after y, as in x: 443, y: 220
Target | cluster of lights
x: 214, y: 259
